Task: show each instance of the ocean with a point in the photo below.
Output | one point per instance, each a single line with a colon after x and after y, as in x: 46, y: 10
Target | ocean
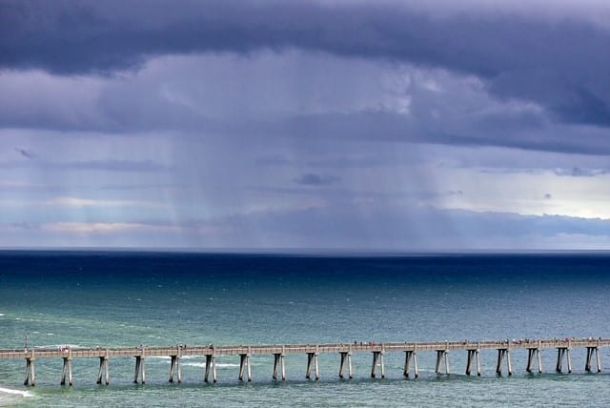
x: 131, y: 298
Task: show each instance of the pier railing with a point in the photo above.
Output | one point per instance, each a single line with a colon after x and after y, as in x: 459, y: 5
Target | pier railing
x: 210, y: 352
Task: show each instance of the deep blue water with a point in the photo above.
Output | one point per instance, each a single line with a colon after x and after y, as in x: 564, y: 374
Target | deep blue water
x: 126, y: 298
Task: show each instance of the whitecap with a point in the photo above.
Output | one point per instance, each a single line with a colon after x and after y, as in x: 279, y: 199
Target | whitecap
x: 15, y: 392
x: 218, y: 365
x: 227, y: 365
x: 55, y: 346
x: 193, y: 364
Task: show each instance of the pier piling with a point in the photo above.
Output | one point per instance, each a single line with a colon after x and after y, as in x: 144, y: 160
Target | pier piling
x: 563, y: 353
x: 312, y: 363
x: 244, y: 367
x: 533, y: 353
x: 30, y: 371
x: 378, y: 361
x: 210, y: 367
x: 588, y: 363
x: 504, y: 354
x: 346, y: 358
x: 472, y: 359
x: 410, y: 359
x: 66, y: 375
x: 442, y: 359
x: 175, y: 369
x: 278, y: 359
x: 103, y: 375
x: 140, y: 370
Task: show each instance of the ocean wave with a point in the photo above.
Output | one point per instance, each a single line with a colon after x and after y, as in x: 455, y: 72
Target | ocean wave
x: 19, y: 393
x: 54, y: 346
x: 218, y: 365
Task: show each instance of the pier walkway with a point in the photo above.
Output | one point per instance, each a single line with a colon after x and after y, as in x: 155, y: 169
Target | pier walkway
x: 312, y: 351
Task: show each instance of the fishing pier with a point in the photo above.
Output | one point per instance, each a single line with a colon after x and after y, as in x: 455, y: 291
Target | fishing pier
x: 279, y: 353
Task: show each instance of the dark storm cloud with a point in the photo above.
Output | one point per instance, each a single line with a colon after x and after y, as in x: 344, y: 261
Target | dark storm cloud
x: 389, y: 126
x: 560, y: 63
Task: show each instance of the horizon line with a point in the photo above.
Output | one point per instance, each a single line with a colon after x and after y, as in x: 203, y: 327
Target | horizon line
x: 344, y: 252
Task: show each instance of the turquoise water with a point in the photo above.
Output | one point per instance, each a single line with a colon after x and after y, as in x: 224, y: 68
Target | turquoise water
x: 127, y: 299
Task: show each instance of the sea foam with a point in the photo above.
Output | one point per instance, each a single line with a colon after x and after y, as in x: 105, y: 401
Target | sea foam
x: 15, y: 392
x: 218, y: 365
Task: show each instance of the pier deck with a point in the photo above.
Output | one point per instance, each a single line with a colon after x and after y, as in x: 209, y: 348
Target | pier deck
x: 345, y: 350
x: 41, y: 353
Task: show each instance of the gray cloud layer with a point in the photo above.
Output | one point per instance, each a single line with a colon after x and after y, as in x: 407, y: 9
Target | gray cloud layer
x: 335, y: 228
x: 377, y: 124
x: 561, y: 63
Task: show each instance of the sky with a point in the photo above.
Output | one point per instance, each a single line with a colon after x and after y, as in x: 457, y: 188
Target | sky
x: 367, y: 125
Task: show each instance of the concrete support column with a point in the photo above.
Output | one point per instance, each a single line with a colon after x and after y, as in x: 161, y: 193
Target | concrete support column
x: 350, y: 370
x: 589, y: 362
x: 378, y: 361
x: 374, y: 367
x: 499, y: 363
x: 283, y: 363
x: 533, y: 354
x: 210, y: 367
x: 442, y: 359
x: 66, y: 375
x: 175, y: 370
x: 278, y: 360
x: 346, y: 359
x: 563, y: 353
x: 470, y: 361
x: 245, y: 369
x: 316, y: 365
x: 140, y: 371
x: 249, y: 365
x: 410, y: 359
x: 599, y: 361
x: 312, y: 363
x: 502, y: 355
x: 103, y: 375
x: 30, y: 371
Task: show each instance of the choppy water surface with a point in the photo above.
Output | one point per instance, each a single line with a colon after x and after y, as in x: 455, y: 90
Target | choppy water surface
x: 127, y: 299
